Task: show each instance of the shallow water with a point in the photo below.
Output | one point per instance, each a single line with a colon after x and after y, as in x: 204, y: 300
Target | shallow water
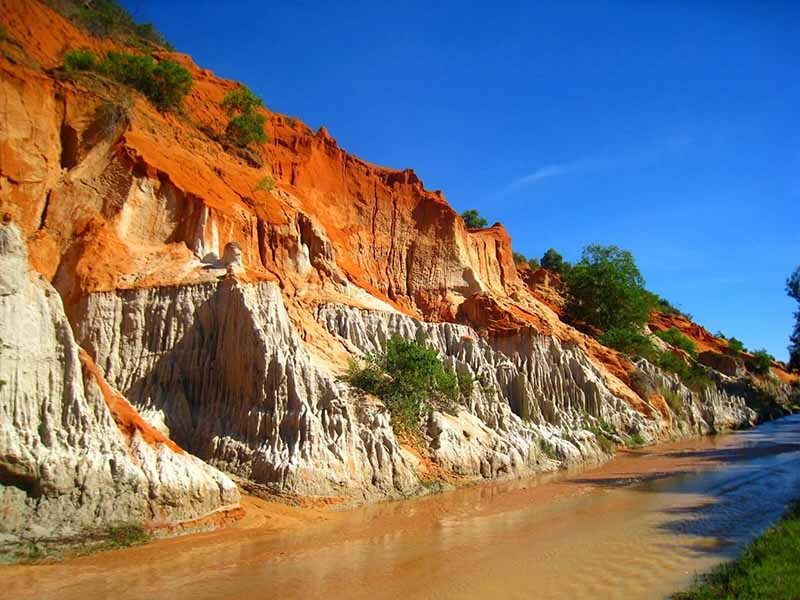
x: 639, y: 526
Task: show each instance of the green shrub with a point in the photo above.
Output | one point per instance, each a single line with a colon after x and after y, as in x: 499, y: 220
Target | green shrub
x: 3, y: 34
x: 735, y: 346
x: 266, y: 184
x: 673, y: 401
x: 606, y: 290
x: 465, y: 382
x: 247, y: 129
x: 547, y: 448
x: 79, y: 60
x: 694, y: 377
x: 473, y: 219
x: 241, y: 100
x: 761, y: 362
x: 246, y: 125
x: 409, y: 378
x: 675, y: 338
x: 170, y: 84
x: 165, y: 83
x: 629, y: 341
x: 107, y: 18
x: 135, y: 70
x: 635, y: 440
x: 661, y: 304
x: 606, y: 443
x: 552, y: 261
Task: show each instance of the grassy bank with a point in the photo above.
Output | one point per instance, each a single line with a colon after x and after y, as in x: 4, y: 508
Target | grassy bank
x: 90, y: 542
x: 769, y: 568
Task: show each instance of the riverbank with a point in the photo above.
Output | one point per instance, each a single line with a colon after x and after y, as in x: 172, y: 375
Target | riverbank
x: 636, y: 527
x: 768, y: 569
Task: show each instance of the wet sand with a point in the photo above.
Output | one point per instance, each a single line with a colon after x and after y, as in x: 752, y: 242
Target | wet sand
x: 638, y: 526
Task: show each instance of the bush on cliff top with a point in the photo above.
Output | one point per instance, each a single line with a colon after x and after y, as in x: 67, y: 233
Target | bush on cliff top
x: 107, y: 18
x: 246, y: 125
x: 165, y: 82
x: 410, y: 379
x: 473, y: 219
x: 735, y: 347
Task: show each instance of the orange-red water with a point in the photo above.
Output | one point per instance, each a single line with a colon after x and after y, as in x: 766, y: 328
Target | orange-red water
x: 639, y: 526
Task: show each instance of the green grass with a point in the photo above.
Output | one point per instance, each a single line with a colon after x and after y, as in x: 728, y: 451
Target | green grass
x: 635, y: 440
x: 123, y: 536
x: 673, y: 401
x: 769, y: 568
x: 675, y: 338
x: 547, y: 448
x: 88, y: 542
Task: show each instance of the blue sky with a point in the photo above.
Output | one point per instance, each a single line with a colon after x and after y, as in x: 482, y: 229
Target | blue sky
x: 668, y: 128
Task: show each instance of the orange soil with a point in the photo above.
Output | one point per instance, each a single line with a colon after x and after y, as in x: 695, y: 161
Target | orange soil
x: 127, y: 418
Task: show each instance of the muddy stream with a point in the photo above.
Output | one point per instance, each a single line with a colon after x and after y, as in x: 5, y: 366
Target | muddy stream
x: 639, y: 526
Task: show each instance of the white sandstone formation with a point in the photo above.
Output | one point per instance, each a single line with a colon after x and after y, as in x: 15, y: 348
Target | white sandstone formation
x: 65, y: 464
x: 220, y: 367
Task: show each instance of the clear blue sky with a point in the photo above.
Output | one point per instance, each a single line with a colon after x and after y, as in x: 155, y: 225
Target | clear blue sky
x: 668, y: 128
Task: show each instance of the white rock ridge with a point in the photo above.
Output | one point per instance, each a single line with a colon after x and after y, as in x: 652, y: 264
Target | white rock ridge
x: 65, y: 464
x: 220, y: 368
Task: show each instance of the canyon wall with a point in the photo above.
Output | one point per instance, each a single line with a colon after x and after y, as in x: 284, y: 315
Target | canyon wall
x: 175, y: 310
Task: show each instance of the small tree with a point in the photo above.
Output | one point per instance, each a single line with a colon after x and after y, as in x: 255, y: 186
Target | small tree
x: 246, y: 125
x: 762, y: 361
x: 473, y: 219
x: 552, y: 260
x: 606, y: 289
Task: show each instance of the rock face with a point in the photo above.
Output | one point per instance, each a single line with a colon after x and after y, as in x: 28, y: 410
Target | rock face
x: 713, y: 410
x: 220, y: 368
x: 72, y: 454
x: 225, y: 313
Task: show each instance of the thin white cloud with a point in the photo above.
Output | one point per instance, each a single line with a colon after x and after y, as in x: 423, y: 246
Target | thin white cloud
x: 600, y: 162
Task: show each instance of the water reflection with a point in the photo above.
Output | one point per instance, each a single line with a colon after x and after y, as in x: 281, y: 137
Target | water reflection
x: 632, y: 528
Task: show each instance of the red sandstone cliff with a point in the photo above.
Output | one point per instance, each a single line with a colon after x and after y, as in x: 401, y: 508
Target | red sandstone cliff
x: 138, y: 209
